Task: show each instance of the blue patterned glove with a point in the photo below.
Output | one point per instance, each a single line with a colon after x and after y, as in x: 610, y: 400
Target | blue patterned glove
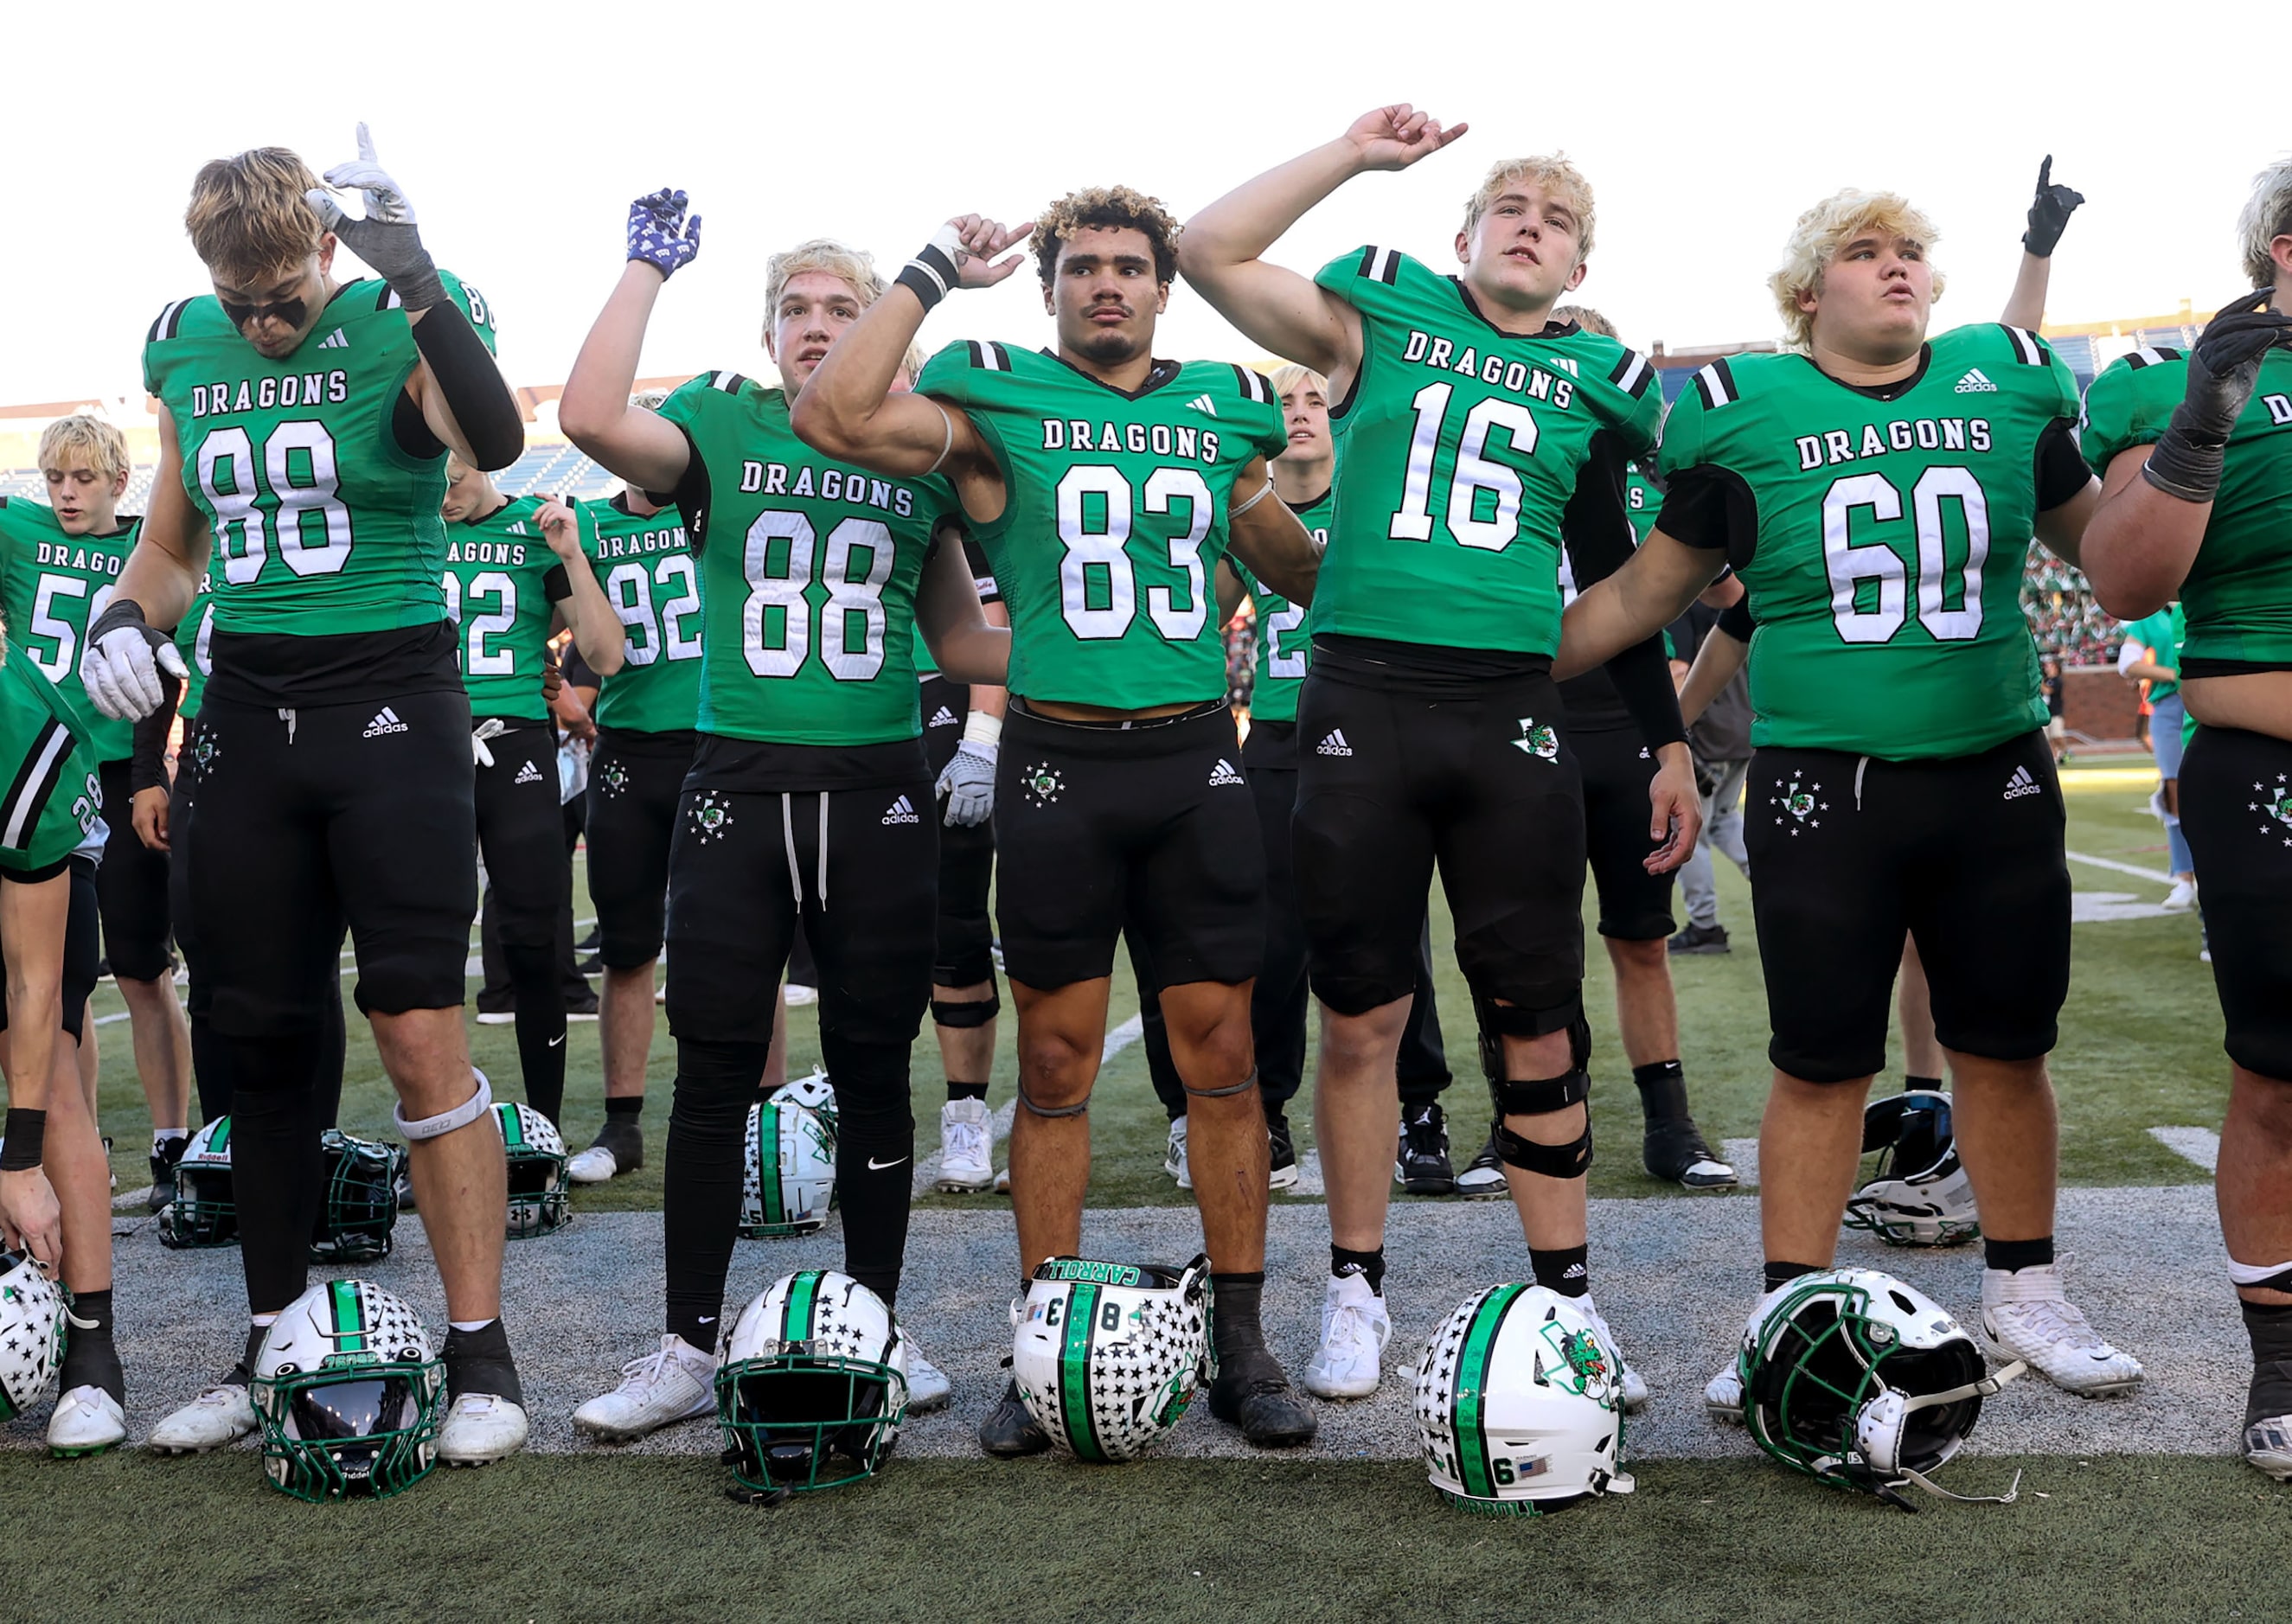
x: 660, y: 235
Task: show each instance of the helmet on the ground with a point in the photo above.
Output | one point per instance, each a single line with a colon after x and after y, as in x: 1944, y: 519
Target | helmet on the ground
x: 787, y: 1177
x: 358, y: 1201
x: 814, y: 1386
x: 1919, y: 1195
x: 32, y: 1333
x: 348, y: 1393
x: 1520, y: 1404
x: 203, y: 1212
x: 1854, y: 1377
x: 538, y: 1191
x: 1107, y: 1355
x: 815, y: 1094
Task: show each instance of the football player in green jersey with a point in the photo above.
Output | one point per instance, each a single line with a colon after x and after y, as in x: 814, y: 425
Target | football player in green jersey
x: 303, y: 444
x: 1106, y: 485
x: 1877, y: 490
x: 517, y: 573
x: 56, y: 1181
x: 807, y: 800
x: 1472, y: 430
x: 2196, y: 454
x: 56, y: 575
x: 646, y: 713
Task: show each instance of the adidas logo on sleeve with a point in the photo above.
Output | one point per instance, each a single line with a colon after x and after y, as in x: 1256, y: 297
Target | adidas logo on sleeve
x: 386, y: 721
x: 1334, y: 744
x: 1975, y: 382
x: 2021, y: 784
x: 528, y: 774
x: 1223, y: 773
x: 903, y: 811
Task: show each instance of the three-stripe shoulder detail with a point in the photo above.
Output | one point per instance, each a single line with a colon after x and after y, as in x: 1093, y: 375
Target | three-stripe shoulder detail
x: 1255, y: 385
x: 1632, y: 373
x: 2149, y: 355
x: 2026, y: 349
x: 35, y: 780
x: 1381, y: 265
x: 730, y: 383
x: 171, y: 320
x: 988, y: 356
x: 1717, y: 384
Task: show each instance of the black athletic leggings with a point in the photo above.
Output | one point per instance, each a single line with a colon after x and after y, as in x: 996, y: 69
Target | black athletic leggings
x: 521, y: 835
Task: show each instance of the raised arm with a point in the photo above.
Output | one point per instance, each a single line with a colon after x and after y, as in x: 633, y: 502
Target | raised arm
x: 848, y: 408
x: 597, y: 630
x: 1635, y: 603
x: 2049, y: 217
x: 1267, y: 537
x: 642, y: 448
x: 1220, y: 250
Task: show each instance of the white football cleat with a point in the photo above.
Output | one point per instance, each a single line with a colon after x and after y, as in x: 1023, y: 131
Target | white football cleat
x: 87, y: 1421
x: 1634, y: 1385
x: 1355, y: 1325
x: 2182, y: 897
x: 796, y: 995
x: 221, y: 1415
x: 966, y: 1162
x: 1723, y: 1398
x: 675, y: 1384
x: 479, y: 1429
x: 927, y: 1384
x: 2025, y: 1315
x: 1174, y: 1157
x: 2268, y: 1446
x: 594, y: 1165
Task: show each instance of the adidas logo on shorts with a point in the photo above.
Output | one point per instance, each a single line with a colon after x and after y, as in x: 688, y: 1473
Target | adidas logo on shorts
x: 903, y: 811
x: 1223, y: 773
x: 528, y: 774
x: 1975, y: 382
x: 1334, y: 744
x: 386, y: 721
x: 941, y: 717
x: 2021, y: 784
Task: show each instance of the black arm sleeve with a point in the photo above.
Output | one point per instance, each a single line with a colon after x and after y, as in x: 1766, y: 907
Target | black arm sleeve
x: 556, y: 585
x: 1735, y: 619
x: 1708, y: 506
x: 1597, y: 531
x: 692, y: 495
x: 146, y: 768
x: 2062, y: 471
x: 472, y: 386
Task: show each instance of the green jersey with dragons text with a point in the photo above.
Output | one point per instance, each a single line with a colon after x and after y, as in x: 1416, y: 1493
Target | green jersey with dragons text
x: 1458, y: 450
x: 1114, y: 518
x: 54, y: 801
x: 503, y: 587
x: 195, y: 641
x: 1642, y: 501
x: 323, y: 523
x: 1281, y: 638
x: 644, y: 564
x: 1881, y: 534
x: 2238, y: 596
x: 52, y: 585
x: 809, y: 569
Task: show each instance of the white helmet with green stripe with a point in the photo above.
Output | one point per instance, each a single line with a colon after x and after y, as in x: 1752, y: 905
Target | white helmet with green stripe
x: 348, y: 1393
x: 787, y: 1179
x: 1108, y: 1355
x: 32, y: 1333
x: 814, y: 1386
x: 540, y: 1197
x: 1520, y: 1404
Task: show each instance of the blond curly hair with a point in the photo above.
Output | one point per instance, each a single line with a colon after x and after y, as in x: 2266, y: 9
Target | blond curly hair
x: 1826, y: 228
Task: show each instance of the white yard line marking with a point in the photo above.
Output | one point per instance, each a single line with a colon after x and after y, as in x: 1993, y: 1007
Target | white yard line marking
x: 2151, y: 875
x: 2200, y: 1146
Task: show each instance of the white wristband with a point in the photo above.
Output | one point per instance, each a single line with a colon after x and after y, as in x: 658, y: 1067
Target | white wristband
x: 981, y: 728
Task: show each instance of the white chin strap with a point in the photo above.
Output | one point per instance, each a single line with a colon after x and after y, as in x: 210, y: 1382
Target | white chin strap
x: 461, y: 1116
x: 1879, y: 1433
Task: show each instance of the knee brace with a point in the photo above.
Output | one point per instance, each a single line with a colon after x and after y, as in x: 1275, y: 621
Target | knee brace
x: 1245, y: 1086
x: 445, y: 1122
x: 1541, y: 1098
x: 964, y: 1016
x: 1499, y: 1021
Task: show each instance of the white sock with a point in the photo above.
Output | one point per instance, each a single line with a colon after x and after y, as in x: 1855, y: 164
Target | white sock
x: 470, y: 1325
x: 161, y: 1137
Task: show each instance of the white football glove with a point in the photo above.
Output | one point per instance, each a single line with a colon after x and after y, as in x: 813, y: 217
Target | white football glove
x: 968, y: 782
x: 387, y: 238
x: 124, y: 657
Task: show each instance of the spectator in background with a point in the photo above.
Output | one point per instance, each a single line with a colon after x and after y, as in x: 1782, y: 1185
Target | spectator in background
x: 1721, y: 739
x: 2151, y: 655
x: 2057, y: 727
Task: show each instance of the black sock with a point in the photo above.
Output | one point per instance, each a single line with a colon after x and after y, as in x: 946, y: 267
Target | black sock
x: 540, y: 1024
x: 243, y: 1372
x: 1933, y: 1083
x: 1369, y: 1266
x: 2270, y: 1327
x: 624, y: 1105
x: 1234, y: 1328
x: 2016, y: 1254
x: 1663, y: 1092
x: 276, y: 1165
x: 1783, y: 1274
x: 1564, y: 1269
x: 875, y: 1158
x: 701, y: 1178
x: 479, y: 1361
x: 90, y: 1359
x: 964, y: 1090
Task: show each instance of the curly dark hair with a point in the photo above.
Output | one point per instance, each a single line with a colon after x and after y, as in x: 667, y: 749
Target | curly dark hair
x: 1116, y: 206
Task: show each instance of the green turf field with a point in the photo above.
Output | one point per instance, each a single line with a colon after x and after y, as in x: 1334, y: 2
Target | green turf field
x: 586, y: 1538
x: 2140, y: 1049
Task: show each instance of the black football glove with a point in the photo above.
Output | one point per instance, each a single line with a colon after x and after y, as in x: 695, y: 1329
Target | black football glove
x: 2222, y: 369
x: 2049, y: 211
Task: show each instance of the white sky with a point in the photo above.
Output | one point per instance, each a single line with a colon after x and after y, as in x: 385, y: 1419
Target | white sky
x: 521, y: 131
